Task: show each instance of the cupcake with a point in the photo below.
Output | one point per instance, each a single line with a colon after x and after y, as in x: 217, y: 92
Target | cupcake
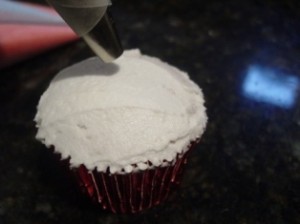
x: 124, y: 127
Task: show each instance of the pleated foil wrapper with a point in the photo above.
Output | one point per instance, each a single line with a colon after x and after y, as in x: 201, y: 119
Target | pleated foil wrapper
x: 132, y: 192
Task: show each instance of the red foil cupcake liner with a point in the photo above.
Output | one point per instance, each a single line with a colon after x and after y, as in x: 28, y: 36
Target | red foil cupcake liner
x: 132, y: 192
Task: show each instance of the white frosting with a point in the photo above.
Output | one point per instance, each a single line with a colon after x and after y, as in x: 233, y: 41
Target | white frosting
x: 132, y: 111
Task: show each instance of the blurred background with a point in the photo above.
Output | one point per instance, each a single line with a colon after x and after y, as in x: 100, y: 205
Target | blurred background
x: 245, y: 57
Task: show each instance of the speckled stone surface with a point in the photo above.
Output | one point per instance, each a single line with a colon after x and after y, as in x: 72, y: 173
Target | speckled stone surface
x: 246, y: 169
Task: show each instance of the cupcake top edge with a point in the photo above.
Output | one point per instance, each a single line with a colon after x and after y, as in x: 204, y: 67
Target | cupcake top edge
x: 130, y: 115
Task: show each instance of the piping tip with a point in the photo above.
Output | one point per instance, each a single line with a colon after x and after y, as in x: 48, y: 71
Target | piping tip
x: 103, y: 39
x: 91, y: 20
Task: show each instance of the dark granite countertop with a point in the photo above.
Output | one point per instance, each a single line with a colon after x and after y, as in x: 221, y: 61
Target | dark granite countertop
x: 246, y: 57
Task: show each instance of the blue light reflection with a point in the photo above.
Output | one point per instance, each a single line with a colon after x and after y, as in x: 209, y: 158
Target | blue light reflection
x: 270, y: 86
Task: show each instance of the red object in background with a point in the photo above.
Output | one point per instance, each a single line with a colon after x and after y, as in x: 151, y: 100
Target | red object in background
x: 29, y: 29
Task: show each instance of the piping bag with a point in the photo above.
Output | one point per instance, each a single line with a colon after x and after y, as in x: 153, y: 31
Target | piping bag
x: 91, y: 20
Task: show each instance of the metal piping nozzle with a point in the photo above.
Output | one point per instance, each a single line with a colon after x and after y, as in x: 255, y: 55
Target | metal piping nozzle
x: 91, y: 20
x: 103, y: 39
